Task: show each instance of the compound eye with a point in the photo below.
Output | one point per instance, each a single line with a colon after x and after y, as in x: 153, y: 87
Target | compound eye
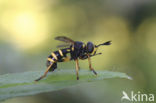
x: 90, y: 47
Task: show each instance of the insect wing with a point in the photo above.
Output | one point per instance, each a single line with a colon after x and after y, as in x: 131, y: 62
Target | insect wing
x: 64, y: 39
x: 63, y: 45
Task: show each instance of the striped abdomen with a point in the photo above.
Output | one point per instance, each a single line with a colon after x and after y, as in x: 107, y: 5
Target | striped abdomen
x: 58, y: 56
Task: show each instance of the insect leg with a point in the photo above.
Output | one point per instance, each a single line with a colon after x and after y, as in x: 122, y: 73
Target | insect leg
x: 77, y: 69
x: 78, y: 65
x: 90, y: 65
x: 45, y: 72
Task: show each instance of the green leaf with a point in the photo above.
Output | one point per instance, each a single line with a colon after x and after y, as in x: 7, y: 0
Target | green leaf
x: 22, y: 84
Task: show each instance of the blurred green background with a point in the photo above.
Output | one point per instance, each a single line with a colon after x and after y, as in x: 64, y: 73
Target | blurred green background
x: 28, y: 28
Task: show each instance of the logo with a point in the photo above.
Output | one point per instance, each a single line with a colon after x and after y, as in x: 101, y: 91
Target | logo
x: 137, y: 97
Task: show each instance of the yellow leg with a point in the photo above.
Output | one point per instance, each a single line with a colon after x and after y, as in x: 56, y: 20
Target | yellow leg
x: 90, y: 65
x: 77, y: 69
x: 44, y: 73
x: 78, y: 65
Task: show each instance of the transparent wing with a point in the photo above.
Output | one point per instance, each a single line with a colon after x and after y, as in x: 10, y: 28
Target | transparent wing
x: 63, y: 45
x: 64, y: 39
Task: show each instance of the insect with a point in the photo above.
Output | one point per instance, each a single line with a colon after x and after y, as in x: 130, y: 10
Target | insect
x: 76, y: 50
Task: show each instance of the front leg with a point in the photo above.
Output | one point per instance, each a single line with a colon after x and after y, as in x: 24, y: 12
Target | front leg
x: 90, y: 65
x: 77, y: 69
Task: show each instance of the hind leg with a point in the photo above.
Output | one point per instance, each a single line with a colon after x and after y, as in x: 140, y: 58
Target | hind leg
x: 50, y: 67
x: 53, y: 67
x: 45, y: 73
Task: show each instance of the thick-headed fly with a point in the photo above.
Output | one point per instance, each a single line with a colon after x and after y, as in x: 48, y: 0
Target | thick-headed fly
x: 76, y: 49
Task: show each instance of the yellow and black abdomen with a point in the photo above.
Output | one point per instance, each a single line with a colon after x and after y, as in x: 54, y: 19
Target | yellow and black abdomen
x: 58, y: 56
